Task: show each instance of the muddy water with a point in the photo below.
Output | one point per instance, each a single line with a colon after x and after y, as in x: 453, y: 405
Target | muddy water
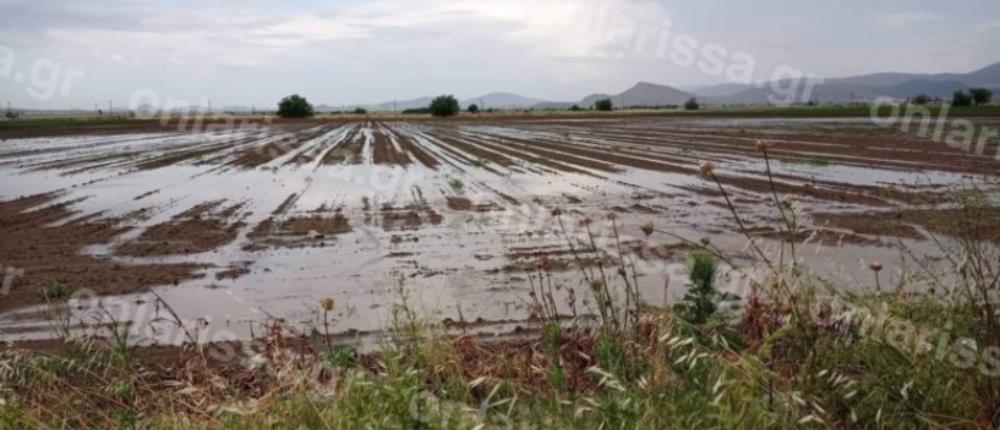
x: 457, y: 226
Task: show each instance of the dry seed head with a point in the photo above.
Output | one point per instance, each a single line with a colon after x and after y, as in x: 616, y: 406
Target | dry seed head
x: 584, y: 221
x: 707, y: 168
x: 612, y: 216
x: 875, y: 266
x: 647, y: 228
x: 596, y: 284
x: 543, y: 262
x: 328, y: 304
x: 762, y: 145
x: 557, y: 212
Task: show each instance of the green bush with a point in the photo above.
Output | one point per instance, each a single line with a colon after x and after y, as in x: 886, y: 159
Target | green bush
x: 922, y: 99
x: 701, y: 303
x: 360, y: 111
x: 980, y: 96
x: 604, y: 105
x: 692, y: 104
x: 961, y: 99
x: 445, y: 105
x: 473, y: 108
x: 295, y: 106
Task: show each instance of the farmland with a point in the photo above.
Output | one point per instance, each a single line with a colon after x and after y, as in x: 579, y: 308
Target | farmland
x: 236, y: 225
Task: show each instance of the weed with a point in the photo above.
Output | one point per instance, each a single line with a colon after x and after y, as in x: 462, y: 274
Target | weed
x: 701, y: 303
x: 55, y: 291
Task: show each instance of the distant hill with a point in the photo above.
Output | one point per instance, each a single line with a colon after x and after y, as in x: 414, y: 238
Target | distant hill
x: 501, y: 100
x: 399, y: 105
x: 642, y: 94
x: 859, y: 88
x: 852, y: 88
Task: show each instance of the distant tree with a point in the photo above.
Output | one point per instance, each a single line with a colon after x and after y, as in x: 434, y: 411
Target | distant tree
x: 922, y: 99
x: 604, y: 105
x: 295, y: 106
x: 360, y: 111
x: 980, y: 96
x: 473, y: 108
x: 961, y: 99
x: 446, y: 105
x: 575, y: 108
x: 692, y: 104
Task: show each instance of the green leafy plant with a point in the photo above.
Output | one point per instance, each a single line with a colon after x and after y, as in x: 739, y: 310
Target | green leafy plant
x: 444, y: 106
x: 961, y: 99
x: 605, y: 105
x: 922, y: 99
x: 702, y: 301
x: 55, y: 291
x: 295, y: 106
x: 692, y: 104
x: 980, y: 96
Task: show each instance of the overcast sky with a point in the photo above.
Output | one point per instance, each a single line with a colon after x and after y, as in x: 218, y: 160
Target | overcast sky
x: 56, y: 54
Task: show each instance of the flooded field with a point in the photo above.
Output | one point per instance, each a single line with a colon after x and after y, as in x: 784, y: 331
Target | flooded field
x: 236, y: 227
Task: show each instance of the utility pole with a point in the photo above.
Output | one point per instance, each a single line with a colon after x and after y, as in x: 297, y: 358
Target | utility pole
x: 110, y: 111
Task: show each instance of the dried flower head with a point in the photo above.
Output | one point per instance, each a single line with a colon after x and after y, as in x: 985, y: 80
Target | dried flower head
x: 762, y: 145
x: 557, y: 212
x: 543, y: 262
x: 875, y: 266
x: 612, y: 216
x: 584, y: 221
x: 647, y: 228
x: 328, y: 304
x: 596, y: 284
x: 707, y: 168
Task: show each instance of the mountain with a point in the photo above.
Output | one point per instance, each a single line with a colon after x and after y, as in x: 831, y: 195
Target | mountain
x: 398, y: 106
x: 643, y: 94
x: 855, y: 88
x: 501, y: 100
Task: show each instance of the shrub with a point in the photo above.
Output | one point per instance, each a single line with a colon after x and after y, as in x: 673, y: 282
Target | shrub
x: 575, y: 108
x: 361, y: 111
x: 445, y: 105
x: 692, y: 104
x: 961, y: 99
x: 473, y: 108
x: 604, y: 105
x: 922, y: 99
x: 295, y: 106
x: 981, y: 96
x: 701, y: 303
